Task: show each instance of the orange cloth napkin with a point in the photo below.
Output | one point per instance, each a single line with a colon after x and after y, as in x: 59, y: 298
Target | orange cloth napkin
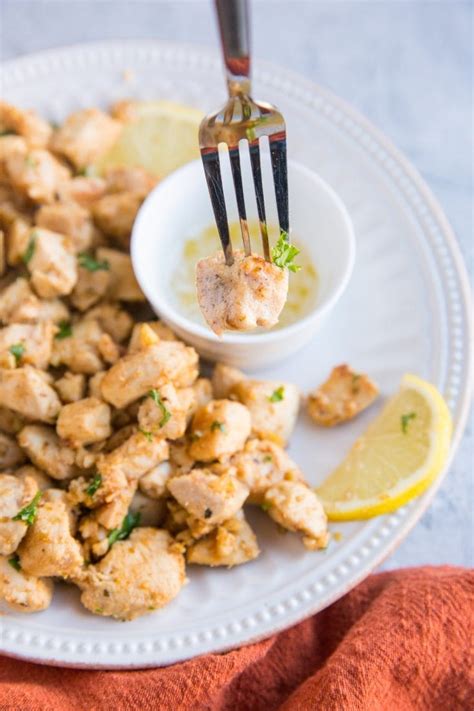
x: 400, y: 641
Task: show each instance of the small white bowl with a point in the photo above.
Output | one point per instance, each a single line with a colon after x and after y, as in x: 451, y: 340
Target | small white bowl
x: 179, y: 208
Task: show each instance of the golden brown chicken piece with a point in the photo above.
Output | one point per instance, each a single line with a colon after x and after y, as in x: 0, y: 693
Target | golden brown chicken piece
x: 84, y: 422
x: 207, y: 496
x: 24, y: 390
x: 296, y: 507
x: 51, y: 262
x: 15, y: 494
x: 219, y: 429
x: 344, y: 394
x: 35, y: 130
x: 47, y: 451
x: 250, y: 293
x: 25, y: 593
x: 231, y: 543
x: 49, y: 548
x: 85, y: 136
x: 36, y: 175
x: 138, y: 575
x: 137, y: 373
x: 273, y: 407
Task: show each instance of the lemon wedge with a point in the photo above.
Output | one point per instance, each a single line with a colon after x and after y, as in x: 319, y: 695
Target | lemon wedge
x: 396, y: 459
x: 160, y: 137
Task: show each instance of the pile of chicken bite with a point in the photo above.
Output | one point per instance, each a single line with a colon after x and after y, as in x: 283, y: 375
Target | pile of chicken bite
x: 118, y: 463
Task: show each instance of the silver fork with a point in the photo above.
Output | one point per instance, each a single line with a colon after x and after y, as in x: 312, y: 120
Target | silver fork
x: 242, y: 118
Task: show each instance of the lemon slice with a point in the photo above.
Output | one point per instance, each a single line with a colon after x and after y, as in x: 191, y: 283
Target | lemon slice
x: 396, y: 459
x: 160, y: 137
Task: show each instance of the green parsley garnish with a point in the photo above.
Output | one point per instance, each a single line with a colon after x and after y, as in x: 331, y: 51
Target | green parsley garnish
x: 277, y: 395
x: 218, y: 426
x: 283, y: 253
x: 268, y: 458
x: 14, y: 561
x: 145, y: 433
x: 208, y: 513
x: 265, y: 506
x: 65, y: 330
x: 156, y: 397
x: 30, y: 162
x: 130, y: 521
x: 94, y: 484
x: 28, y: 513
x: 88, y: 171
x: 405, y: 419
x: 355, y: 383
x: 87, y: 261
x: 17, y: 349
x: 30, y: 250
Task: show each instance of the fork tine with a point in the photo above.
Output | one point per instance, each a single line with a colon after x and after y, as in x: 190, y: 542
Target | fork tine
x: 239, y: 193
x: 212, y: 171
x: 257, y: 179
x: 280, y: 178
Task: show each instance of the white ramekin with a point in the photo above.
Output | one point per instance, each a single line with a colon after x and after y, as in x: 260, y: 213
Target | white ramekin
x: 179, y: 208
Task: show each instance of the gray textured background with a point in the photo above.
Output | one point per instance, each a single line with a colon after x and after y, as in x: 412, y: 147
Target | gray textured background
x: 406, y: 64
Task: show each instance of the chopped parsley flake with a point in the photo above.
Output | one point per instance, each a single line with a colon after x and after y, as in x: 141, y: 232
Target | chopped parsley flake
x: 355, y: 383
x: 87, y: 261
x: 65, y: 330
x: 147, y: 434
x: 30, y: 162
x: 88, y: 171
x: 218, y: 426
x: 265, y: 506
x: 277, y: 395
x: 268, y: 458
x: 207, y: 513
x: 94, y: 484
x: 405, y: 419
x: 17, y: 350
x: 28, y: 513
x: 156, y: 397
x: 283, y: 253
x: 14, y: 561
x: 130, y: 521
x: 30, y: 250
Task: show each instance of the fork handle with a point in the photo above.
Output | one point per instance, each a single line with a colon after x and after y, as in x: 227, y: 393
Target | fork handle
x: 233, y: 18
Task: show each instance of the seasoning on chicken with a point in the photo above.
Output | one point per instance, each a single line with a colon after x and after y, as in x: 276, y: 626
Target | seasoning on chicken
x: 85, y: 136
x: 296, y: 507
x: 35, y: 130
x: 138, y: 575
x: 11, y: 455
x: 47, y: 451
x: 344, y: 394
x: 29, y: 343
x: 19, y: 304
x: 273, y: 407
x: 24, y: 390
x: 123, y: 284
x: 71, y: 387
x: 36, y: 175
x: 51, y: 262
x: 224, y: 377
x: 260, y: 465
x: 231, y: 543
x: 25, y: 593
x: 137, y: 373
x: 49, y: 548
x: 115, y: 214
x: 14, y: 495
x: 112, y: 320
x: 250, y: 293
x: 43, y: 481
x: 84, y: 422
x: 68, y: 219
x: 77, y: 347
x: 153, y: 484
x: 219, y: 429
x: 209, y: 497
x: 165, y: 412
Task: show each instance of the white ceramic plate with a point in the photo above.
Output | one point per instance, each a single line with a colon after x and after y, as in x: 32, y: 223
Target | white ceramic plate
x: 406, y: 309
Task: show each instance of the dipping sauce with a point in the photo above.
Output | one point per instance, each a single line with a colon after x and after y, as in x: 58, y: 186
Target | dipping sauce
x: 303, y: 289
